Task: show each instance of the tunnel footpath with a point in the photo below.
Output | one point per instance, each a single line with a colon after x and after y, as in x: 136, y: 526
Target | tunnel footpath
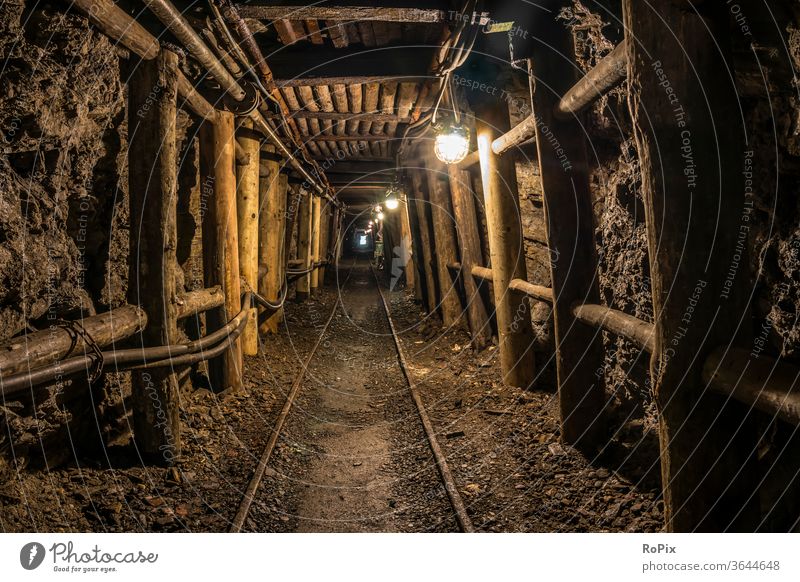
x: 352, y: 455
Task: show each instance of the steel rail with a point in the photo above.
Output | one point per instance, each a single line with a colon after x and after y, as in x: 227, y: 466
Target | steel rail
x: 456, y: 501
x: 252, y: 487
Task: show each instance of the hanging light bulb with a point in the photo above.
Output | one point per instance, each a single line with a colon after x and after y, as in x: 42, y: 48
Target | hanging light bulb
x: 378, y: 208
x: 380, y: 216
x: 452, y: 142
x: 393, y: 193
x: 370, y: 223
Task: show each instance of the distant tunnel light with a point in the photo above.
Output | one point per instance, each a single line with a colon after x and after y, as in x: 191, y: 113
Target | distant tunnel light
x: 362, y: 240
x: 452, y: 143
x: 380, y: 216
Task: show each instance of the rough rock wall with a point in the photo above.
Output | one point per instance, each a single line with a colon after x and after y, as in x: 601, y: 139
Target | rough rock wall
x: 64, y: 216
x: 62, y: 122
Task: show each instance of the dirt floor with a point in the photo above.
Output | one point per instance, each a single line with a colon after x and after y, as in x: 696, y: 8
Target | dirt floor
x: 353, y: 455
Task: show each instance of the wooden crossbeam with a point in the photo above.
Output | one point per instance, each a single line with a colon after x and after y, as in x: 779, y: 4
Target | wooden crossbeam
x: 351, y: 65
x: 347, y: 12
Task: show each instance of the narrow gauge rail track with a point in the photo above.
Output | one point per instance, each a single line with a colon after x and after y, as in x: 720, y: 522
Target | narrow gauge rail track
x: 456, y: 501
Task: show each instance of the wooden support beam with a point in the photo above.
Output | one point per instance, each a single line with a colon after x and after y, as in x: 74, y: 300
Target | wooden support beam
x: 45, y: 347
x: 570, y: 230
x: 313, y: 32
x: 349, y: 64
x: 617, y: 322
x: 271, y: 239
x: 247, y: 208
x: 608, y: 73
x: 506, y: 247
x: 117, y: 24
x: 348, y: 12
x: 304, y: 250
x: 514, y: 137
x: 444, y: 242
x: 420, y: 201
x: 324, y: 238
x: 470, y: 160
x: 221, y: 240
x: 292, y: 205
x: 353, y: 138
x: 689, y: 136
x: 152, y: 182
x: 759, y: 381
x: 315, y: 240
x: 337, y: 33
x: 406, y: 245
x: 470, y: 244
x: 199, y: 301
x: 38, y: 349
x: 420, y: 292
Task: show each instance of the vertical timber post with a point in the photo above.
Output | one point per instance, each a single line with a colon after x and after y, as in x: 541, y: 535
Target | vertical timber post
x: 514, y: 331
x: 444, y: 240
x: 692, y: 149
x: 570, y: 236
x: 315, y: 240
x: 152, y: 177
x: 470, y: 244
x: 407, y: 246
x: 304, y: 245
x: 247, y: 207
x: 324, y: 235
x: 292, y: 204
x: 221, y: 240
x: 425, y: 237
x: 271, y: 241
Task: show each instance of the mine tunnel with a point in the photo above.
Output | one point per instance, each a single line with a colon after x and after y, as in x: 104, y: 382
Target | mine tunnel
x: 399, y: 266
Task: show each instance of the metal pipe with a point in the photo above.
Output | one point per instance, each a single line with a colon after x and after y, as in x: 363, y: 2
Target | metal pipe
x: 174, y: 20
x: 125, y: 358
x: 121, y: 27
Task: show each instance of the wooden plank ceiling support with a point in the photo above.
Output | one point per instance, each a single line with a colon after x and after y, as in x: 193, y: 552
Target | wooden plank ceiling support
x: 313, y: 32
x: 304, y: 249
x: 221, y: 240
x: 470, y: 244
x: 377, y: 77
x: 421, y: 202
x: 247, y: 207
x: 306, y: 63
x: 284, y: 28
x: 690, y: 139
x: 337, y: 34
x: 444, y: 242
x: 570, y: 235
x: 506, y: 246
x: 271, y: 239
x: 152, y: 182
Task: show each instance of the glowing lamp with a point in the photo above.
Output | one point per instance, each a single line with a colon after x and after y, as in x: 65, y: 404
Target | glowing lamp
x: 393, y: 193
x: 380, y: 216
x: 452, y: 142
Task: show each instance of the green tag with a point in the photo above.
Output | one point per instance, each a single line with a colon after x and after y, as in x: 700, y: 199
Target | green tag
x: 498, y: 27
